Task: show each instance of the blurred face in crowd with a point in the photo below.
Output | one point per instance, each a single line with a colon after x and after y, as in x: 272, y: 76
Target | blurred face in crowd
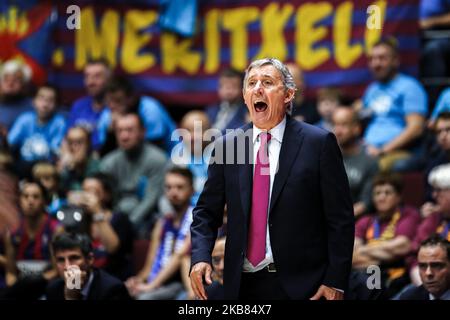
x: 266, y: 96
x: 49, y: 182
x: 118, y: 101
x: 386, y: 199
x: 346, y: 128
x: 78, y: 143
x: 442, y: 197
x: 298, y: 77
x: 12, y: 83
x: 443, y: 133
x: 94, y: 186
x: 230, y: 89
x: 218, y: 255
x: 45, y: 103
x: 326, y: 107
x: 434, y: 269
x: 178, y: 190
x: 383, y: 62
x: 32, y: 200
x: 70, y: 257
x: 96, y: 76
x: 192, y: 122
x: 129, y: 132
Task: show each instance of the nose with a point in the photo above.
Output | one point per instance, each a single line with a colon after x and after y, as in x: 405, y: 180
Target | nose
x: 428, y: 272
x: 258, y: 87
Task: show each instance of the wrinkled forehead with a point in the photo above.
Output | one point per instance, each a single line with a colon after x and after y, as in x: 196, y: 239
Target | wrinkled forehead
x: 266, y: 70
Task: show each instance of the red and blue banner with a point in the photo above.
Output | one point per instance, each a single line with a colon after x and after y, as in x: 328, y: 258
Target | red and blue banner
x: 328, y: 39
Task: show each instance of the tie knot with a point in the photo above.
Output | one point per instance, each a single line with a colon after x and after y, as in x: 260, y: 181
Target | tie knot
x: 265, y: 137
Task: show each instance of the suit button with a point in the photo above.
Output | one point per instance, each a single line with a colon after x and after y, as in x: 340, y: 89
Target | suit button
x: 270, y: 225
x: 242, y: 253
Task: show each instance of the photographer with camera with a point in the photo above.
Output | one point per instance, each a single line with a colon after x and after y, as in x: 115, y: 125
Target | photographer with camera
x: 111, y: 232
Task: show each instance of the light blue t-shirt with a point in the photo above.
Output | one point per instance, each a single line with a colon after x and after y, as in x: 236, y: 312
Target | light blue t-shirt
x: 442, y: 105
x: 157, y: 121
x: 37, y: 141
x: 83, y: 114
x: 389, y: 104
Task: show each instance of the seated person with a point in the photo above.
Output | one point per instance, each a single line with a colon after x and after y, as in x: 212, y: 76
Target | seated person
x: 434, y: 269
x: 27, y: 248
x: 328, y: 99
x: 170, y: 240
x: 137, y: 169
x: 230, y: 111
x: 442, y: 105
x: 36, y: 135
x: 111, y: 232
x: 78, y: 278
x: 85, y: 112
x: 15, y: 77
x: 360, y: 167
x: 76, y: 160
x: 120, y: 99
x: 47, y: 175
x: 215, y: 290
x: 398, y: 107
x: 385, y: 237
x: 438, y: 216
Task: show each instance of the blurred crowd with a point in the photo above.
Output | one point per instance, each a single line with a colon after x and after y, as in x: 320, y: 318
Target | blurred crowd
x: 93, y: 193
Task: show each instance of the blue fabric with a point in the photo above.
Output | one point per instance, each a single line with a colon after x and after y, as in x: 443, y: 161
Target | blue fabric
x: 83, y: 114
x: 390, y: 103
x: 157, y: 121
x: 179, y: 16
x: 431, y: 8
x: 172, y: 239
x: 10, y: 112
x: 443, y: 104
x: 37, y: 141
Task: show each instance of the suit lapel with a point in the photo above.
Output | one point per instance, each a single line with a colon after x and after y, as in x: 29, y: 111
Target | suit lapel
x: 292, y: 141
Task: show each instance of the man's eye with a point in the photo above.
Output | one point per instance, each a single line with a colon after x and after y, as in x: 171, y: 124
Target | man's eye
x: 267, y: 82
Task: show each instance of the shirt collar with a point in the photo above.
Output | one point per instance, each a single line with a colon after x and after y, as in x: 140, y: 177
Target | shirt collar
x: 445, y: 296
x: 277, y: 132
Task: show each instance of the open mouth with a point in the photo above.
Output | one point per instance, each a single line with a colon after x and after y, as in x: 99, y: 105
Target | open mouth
x: 260, y: 106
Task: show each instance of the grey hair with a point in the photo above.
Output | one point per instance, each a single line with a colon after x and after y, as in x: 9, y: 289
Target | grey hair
x: 286, y: 76
x: 439, y: 177
x: 13, y: 66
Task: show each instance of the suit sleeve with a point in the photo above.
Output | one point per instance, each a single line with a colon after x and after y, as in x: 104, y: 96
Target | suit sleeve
x: 338, y: 209
x: 208, y: 213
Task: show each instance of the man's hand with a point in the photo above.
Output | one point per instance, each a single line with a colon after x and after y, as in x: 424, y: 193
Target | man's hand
x: 200, y: 270
x: 373, y: 151
x: 328, y: 293
x: 74, y: 279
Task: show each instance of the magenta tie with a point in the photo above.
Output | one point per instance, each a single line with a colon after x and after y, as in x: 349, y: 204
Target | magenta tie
x: 256, y: 250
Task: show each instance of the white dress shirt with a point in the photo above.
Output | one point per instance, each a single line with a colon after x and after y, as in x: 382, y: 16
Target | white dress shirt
x: 274, y: 147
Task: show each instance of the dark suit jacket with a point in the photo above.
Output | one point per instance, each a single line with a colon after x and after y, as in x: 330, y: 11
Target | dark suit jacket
x: 415, y: 293
x: 311, y: 220
x: 104, y: 287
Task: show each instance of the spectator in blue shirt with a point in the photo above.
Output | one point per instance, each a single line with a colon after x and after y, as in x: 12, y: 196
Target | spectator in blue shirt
x: 86, y: 111
x: 120, y: 99
x: 398, y: 106
x: 36, y: 135
x: 435, y: 56
x: 442, y: 105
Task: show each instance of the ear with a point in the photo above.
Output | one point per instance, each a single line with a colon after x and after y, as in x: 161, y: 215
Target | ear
x: 289, y: 95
